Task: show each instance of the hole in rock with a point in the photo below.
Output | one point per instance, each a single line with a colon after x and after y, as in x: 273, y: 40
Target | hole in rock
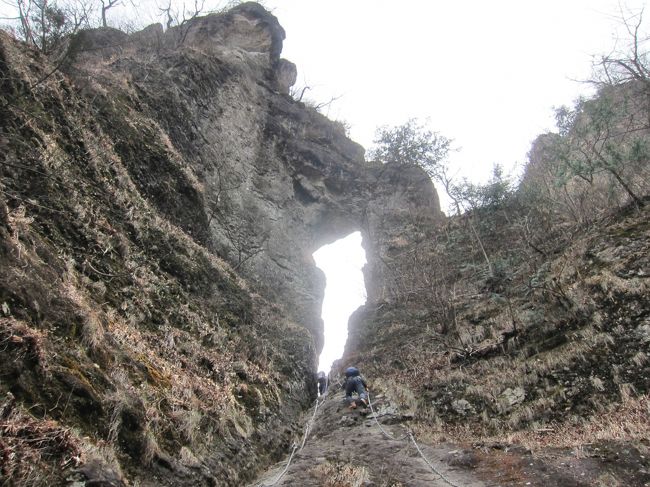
x: 345, y: 291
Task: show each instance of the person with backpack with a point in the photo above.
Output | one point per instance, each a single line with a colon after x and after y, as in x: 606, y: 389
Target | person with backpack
x: 322, y: 383
x: 354, y: 383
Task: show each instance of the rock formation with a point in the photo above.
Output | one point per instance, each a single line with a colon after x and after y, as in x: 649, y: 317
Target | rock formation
x: 162, y: 196
x: 277, y: 179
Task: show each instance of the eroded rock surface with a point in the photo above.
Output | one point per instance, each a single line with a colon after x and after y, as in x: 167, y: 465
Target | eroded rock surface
x: 349, y: 447
x: 271, y: 180
x: 161, y: 199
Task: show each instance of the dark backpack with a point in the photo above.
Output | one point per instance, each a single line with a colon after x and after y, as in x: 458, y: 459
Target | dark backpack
x: 351, y: 372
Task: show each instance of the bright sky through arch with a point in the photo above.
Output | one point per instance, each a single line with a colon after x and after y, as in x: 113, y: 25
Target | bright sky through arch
x: 345, y: 291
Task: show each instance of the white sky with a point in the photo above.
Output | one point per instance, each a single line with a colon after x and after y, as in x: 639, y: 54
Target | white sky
x: 486, y: 74
x: 342, y: 262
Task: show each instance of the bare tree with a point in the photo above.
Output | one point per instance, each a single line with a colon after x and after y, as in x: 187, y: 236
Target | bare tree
x: 246, y: 232
x: 627, y: 64
x: 608, y: 135
x: 182, y: 17
x: 227, y: 180
x: 46, y: 24
x: 169, y: 14
x: 298, y: 93
x: 107, y: 5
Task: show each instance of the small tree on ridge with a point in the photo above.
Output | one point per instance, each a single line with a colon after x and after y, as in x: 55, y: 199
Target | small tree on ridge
x: 412, y: 144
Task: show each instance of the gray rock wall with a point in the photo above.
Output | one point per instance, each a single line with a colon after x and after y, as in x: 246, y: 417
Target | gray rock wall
x: 277, y: 179
x: 128, y: 177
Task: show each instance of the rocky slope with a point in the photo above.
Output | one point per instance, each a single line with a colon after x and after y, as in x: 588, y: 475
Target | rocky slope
x: 377, y: 447
x: 547, y: 349
x: 345, y: 447
x: 161, y: 195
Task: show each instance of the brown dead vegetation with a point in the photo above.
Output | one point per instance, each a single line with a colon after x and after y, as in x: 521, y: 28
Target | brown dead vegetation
x: 553, y: 344
x: 116, y: 318
x: 29, y: 448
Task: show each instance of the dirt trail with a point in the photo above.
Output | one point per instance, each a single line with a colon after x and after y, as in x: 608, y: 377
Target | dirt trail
x: 347, y: 448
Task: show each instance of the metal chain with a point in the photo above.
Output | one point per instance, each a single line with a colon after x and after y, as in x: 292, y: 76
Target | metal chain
x: 295, y: 446
x: 310, y: 424
x: 409, y: 435
x: 385, y: 433
x: 429, y: 463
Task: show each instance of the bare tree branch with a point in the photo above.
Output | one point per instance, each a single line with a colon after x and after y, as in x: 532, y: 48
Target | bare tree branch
x: 107, y: 5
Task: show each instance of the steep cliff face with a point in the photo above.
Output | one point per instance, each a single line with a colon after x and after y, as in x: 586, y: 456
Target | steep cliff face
x: 274, y: 180
x: 161, y: 197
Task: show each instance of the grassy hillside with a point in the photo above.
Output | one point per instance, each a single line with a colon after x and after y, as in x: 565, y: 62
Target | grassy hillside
x: 129, y: 349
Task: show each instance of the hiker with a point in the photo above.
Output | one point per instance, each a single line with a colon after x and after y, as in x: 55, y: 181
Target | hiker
x: 322, y: 383
x: 355, y: 383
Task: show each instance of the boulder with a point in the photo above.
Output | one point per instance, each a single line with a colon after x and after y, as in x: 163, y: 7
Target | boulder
x: 462, y: 407
x: 510, y: 398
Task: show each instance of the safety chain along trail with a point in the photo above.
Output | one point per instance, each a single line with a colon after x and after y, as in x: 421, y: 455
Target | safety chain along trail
x: 367, y: 447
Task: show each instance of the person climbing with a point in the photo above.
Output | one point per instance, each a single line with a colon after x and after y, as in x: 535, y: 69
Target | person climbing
x: 322, y: 383
x: 355, y: 383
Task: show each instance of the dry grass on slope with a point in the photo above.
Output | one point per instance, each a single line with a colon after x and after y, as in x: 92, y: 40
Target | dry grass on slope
x: 117, y: 322
x: 575, y: 371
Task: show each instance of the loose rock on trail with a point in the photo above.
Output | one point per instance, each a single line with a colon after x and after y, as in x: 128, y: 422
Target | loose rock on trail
x: 347, y: 448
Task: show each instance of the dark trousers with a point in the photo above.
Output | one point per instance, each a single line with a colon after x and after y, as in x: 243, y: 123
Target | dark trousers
x: 322, y: 385
x: 355, y: 384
